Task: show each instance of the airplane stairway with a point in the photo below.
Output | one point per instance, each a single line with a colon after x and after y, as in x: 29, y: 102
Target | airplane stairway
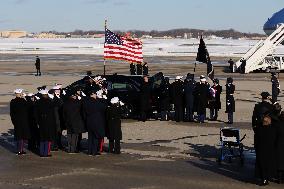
x: 255, y: 57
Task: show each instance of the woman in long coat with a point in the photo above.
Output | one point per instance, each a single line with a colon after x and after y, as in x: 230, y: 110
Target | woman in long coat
x: 94, y: 112
x: 19, y: 110
x: 72, y: 116
x: 114, y: 133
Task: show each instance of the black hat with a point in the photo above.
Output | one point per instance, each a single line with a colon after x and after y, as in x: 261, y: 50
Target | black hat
x: 89, y: 73
x: 229, y: 80
x: 265, y: 95
x: 216, y: 81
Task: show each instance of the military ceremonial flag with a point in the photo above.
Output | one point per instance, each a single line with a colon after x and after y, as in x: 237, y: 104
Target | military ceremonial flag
x: 203, y: 56
x: 122, y: 48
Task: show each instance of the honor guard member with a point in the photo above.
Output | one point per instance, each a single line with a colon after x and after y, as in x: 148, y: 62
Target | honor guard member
x: 145, y: 68
x: 19, y: 112
x: 230, y: 101
x: 37, y: 66
x: 114, y: 133
x: 73, y: 120
x: 60, y: 126
x: 189, y: 87
x: 33, y: 144
x: 94, y: 116
x: 201, y: 95
x: 45, y: 118
x: 139, y: 69
x: 217, y: 103
x: 177, y: 92
x: 264, y: 139
x: 145, y: 97
x: 132, y: 69
x: 275, y: 87
x: 165, y: 99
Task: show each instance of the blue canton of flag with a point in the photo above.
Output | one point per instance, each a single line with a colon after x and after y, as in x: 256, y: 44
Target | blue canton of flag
x: 112, y: 38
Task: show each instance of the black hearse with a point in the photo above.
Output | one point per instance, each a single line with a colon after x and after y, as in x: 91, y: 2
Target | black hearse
x: 127, y: 88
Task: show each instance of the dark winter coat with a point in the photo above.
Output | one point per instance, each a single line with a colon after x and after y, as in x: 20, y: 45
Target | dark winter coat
x: 280, y: 145
x: 114, y: 123
x: 189, y: 88
x: 218, y: 89
x: 58, y: 104
x: 230, y: 100
x: 37, y: 63
x: 139, y: 69
x: 164, y: 97
x: 145, y: 70
x: 177, y: 92
x: 145, y: 97
x: 201, y: 95
x: 19, y: 110
x: 45, y: 118
x: 265, y: 152
x: 259, y: 111
x: 32, y: 122
x: 72, y: 115
x: 94, y: 113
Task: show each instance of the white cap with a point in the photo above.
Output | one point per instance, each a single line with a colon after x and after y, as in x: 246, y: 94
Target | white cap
x: 202, y: 78
x: 114, y: 100
x: 30, y: 94
x: 178, y: 77
x: 43, y: 92
x: 99, y: 94
x: 18, y: 91
x: 57, y: 87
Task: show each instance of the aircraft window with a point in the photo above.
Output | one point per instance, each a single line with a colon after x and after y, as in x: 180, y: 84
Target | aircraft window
x: 277, y: 58
x: 282, y: 59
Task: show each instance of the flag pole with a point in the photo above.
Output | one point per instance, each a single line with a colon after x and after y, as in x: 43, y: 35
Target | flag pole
x: 104, y: 57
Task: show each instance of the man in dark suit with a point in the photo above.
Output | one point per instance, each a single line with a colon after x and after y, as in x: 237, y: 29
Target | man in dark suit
x: 37, y: 66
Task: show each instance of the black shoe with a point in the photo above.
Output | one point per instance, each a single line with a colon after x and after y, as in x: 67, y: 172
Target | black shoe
x: 98, y: 154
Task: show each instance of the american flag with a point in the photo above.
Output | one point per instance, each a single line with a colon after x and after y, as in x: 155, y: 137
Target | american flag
x: 122, y: 48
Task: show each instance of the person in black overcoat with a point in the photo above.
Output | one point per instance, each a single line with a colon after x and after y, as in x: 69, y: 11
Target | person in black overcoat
x: 33, y: 144
x: 217, y: 101
x: 19, y: 112
x: 189, y: 87
x: 145, y: 99
x: 230, y: 100
x: 145, y: 68
x: 37, y: 66
x: 165, y: 99
x: 45, y: 118
x: 73, y: 120
x: 139, y: 69
x: 177, y: 92
x: 201, y: 95
x: 114, y: 133
x: 94, y: 114
x: 60, y: 126
x: 280, y: 147
x: 132, y: 69
x: 275, y: 88
x: 264, y: 139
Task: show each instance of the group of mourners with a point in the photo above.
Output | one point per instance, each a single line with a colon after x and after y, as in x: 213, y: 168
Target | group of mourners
x: 41, y: 118
x: 268, y: 127
x: 190, y: 99
x: 138, y: 68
